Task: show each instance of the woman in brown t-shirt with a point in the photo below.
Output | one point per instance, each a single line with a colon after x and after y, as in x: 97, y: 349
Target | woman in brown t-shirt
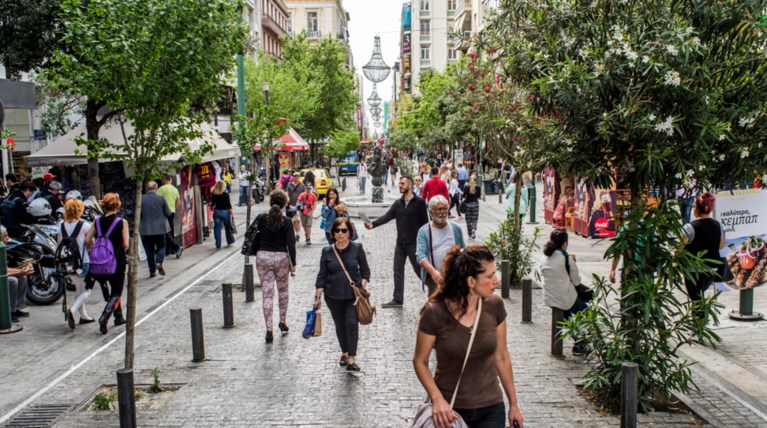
x: 446, y: 323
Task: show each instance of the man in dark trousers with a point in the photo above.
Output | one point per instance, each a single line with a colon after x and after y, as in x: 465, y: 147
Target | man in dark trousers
x: 410, y: 214
x: 153, y: 227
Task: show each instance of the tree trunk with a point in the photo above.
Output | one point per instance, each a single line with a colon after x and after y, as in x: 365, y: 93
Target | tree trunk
x: 92, y: 128
x: 130, y: 325
x: 268, y: 184
x: 517, y: 198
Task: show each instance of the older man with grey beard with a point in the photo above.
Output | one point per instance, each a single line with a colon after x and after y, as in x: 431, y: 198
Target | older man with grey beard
x: 434, y: 240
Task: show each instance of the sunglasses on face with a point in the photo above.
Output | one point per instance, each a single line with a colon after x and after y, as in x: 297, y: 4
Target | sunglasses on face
x: 342, y: 230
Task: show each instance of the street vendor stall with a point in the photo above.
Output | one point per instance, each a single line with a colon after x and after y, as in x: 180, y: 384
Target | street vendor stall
x: 288, y: 151
x: 115, y: 175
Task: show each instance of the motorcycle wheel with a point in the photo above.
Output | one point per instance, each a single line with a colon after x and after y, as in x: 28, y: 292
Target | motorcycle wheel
x: 44, y: 288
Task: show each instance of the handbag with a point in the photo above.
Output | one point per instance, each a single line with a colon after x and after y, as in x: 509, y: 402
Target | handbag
x: 462, y: 207
x: 234, y: 226
x: 584, y: 292
x: 317, y: 324
x: 311, y: 323
x: 251, y: 241
x: 365, y: 309
x: 423, y: 417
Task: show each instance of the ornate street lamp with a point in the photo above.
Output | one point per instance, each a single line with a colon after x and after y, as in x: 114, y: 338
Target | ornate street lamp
x: 374, y: 100
x: 376, y: 69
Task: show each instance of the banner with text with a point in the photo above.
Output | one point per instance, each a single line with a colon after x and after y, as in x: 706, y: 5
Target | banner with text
x: 743, y: 213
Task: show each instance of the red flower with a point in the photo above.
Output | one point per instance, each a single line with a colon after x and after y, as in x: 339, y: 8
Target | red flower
x: 503, y: 245
x: 472, y: 55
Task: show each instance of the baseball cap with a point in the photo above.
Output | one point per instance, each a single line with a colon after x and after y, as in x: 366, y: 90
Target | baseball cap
x: 48, y: 176
x: 296, y: 173
x: 285, y: 170
x: 54, y: 185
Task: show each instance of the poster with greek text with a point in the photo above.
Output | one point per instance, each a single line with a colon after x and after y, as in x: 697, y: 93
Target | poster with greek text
x: 743, y: 216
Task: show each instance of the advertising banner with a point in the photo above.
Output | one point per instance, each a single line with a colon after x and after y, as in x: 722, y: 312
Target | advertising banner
x: 743, y: 216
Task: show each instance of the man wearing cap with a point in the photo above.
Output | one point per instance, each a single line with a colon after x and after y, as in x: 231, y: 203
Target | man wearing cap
x: 52, y: 196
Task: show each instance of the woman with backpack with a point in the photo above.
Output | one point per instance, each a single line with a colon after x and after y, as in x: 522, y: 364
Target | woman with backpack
x: 72, y: 237
x: 108, y: 240
x: 275, y: 259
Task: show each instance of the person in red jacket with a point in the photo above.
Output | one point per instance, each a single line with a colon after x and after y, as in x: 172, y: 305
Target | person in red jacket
x: 435, y: 186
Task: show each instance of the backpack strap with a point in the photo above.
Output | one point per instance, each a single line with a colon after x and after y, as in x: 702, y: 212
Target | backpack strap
x: 112, y: 227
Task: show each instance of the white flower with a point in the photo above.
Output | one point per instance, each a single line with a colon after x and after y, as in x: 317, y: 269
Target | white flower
x: 645, y: 59
x: 744, y: 154
x: 672, y: 79
x: 666, y: 126
x: 671, y: 49
x: 721, y: 157
x: 651, y: 118
x: 701, y: 167
x: 690, y: 173
x: 747, y: 122
x: 678, y: 176
x: 721, y: 137
x: 696, y: 41
x: 759, y: 146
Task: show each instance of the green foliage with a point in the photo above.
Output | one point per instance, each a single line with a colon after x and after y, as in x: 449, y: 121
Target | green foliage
x: 507, y: 243
x: 654, y: 323
x: 341, y: 143
x: 155, y: 387
x: 59, y: 111
x: 105, y: 401
x: 28, y: 34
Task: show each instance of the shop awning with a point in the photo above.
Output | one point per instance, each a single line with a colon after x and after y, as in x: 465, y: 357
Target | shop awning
x: 64, y: 150
x: 289, y: 142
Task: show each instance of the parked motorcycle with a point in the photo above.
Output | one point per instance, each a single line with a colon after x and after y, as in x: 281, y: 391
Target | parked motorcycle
x: 37, y: 248
x: 259, y: 189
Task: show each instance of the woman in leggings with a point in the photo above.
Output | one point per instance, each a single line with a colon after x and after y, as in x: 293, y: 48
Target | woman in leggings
x: 275, y: 259
x: 111, y: 285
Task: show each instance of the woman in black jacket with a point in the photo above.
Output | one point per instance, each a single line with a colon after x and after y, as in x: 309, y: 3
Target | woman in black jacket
x: 275, y: 259
x: 338, y: 292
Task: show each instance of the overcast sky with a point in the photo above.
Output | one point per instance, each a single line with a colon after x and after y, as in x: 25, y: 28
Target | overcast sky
x: 368, y: 19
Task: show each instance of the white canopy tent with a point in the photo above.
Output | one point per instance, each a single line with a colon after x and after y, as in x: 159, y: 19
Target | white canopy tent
x: 64, y: 151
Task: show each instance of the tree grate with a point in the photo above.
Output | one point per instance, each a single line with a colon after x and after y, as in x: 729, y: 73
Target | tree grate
x: 41, y: 416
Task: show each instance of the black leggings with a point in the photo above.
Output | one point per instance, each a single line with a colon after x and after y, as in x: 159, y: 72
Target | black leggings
x: 116, y: 283
x: 347, y: 327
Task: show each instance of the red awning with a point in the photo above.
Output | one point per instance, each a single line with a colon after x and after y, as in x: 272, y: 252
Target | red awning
x: 289, y: 142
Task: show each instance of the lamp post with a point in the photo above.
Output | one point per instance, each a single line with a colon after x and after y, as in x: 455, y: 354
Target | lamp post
x: 265, y: 88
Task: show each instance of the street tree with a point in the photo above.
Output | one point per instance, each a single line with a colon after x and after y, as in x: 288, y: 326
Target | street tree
x: 326, y: 65
x: 647, y: 93
x: 161, y: 64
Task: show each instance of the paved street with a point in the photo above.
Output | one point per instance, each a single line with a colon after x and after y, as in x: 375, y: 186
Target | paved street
x: 297, y: 382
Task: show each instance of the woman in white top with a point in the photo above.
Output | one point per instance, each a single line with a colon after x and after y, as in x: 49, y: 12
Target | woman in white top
x: 362, y: 175
x: 560, y: 279
x: 455, y: 193
x: 73, y: 210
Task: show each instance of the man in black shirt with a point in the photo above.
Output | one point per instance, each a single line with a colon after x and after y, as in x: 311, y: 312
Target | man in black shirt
x: 51, y: 195
x: 410, y: 214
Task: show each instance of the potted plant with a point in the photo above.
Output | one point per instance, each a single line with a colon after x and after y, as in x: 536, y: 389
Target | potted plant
x: 517, y: 248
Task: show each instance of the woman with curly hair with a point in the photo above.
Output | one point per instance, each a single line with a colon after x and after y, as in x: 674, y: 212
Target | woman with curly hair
x: 464, y: 296
x: 275, y: 259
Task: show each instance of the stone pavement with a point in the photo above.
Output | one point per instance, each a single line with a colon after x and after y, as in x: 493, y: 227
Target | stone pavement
x: 296, y: 382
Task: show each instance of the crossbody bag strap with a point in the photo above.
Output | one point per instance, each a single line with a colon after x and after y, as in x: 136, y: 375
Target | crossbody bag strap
x: 431, y: 249
x: 351, y: 283
x: 468, y: 351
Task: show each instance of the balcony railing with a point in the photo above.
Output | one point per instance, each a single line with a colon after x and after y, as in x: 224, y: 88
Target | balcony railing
x: 425, y: 37
x: 313, y: 34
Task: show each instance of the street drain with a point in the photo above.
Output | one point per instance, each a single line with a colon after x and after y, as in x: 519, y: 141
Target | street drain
x: 38, y: 416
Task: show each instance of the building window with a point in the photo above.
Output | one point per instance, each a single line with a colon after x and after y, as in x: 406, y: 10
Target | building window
x: 451, y: 4
x: 425, y: 5
x: 290, y: 23
x: 425, y: 53
x: 425, y: 26
x: 313, y: 24
x: 452, y: 54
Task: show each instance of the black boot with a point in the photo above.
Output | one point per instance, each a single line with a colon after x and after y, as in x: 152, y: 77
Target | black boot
x: 118, y: 315
x: 113, y: 303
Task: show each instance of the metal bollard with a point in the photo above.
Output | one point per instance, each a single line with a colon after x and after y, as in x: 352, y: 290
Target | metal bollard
x: 249, y: 288
x: 198, y: 342
x: 629, y: 373
x: 126, y: 398
x: 527, y: 300
x: 531, y: 204
x: 505, y: 279
x: 226, y: 294
x: 557, y: 316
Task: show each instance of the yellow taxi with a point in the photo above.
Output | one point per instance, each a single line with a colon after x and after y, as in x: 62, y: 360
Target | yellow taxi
x: 322, y: 180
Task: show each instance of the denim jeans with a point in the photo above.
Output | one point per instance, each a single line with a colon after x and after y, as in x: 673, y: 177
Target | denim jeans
x: 685, y: 208
x: 219, y: 217
x: 486, y: 417
x: 154, y: 246
x: 578, y: 306
x: 362, y: 184
x: 243, y: 195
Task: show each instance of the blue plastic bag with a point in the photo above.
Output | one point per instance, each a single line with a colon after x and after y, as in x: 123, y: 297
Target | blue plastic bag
x: 311, y: 318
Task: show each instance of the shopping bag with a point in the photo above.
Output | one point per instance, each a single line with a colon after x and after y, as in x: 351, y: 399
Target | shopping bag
x: 318, y: 324
x: 311, y: 319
